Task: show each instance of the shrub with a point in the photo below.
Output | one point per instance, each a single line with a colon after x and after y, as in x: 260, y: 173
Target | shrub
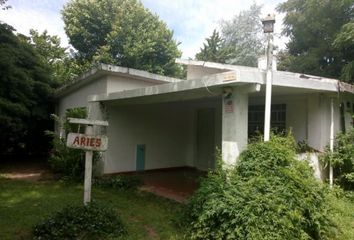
x: 80, y: 222
x: 119, y: 182
x: 342, y: 159
x: 67, y: 161
x: 267, y: 195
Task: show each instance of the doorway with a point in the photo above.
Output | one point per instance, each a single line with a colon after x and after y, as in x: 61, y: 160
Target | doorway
x: 140, y: 157
x: 205, y: 140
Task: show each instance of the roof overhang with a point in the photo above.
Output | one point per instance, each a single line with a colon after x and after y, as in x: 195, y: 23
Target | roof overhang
x: 105, y: 70
x: 282, y: 78
x: 250, y: 79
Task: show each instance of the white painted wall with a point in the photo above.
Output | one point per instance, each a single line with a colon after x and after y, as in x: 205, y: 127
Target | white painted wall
x: 78, y: 98
x: 319, y: 120
x: 118, y: 83
x: 348, y: 99
x: 162, y: 128
x: 308, y: 116
x: 167, y: 130
x: 296, y: 112
x: 234, y: 126
x: 106, y: 84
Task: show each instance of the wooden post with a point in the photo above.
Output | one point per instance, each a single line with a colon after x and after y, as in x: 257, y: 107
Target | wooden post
x: 89, y: 143
x: 88, y: 170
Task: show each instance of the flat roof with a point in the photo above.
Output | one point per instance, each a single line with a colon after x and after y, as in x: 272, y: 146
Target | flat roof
x: 106, y: 69
x: 282, y: 78
x: 236, y: 76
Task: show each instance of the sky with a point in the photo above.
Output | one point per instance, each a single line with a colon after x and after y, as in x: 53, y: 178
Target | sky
x: 191, y: 20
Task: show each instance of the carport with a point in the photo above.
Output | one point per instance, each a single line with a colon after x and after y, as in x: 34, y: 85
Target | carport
x: 176, y: 124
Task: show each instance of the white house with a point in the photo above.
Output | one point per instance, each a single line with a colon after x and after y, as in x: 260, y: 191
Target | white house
x: 160, y: 122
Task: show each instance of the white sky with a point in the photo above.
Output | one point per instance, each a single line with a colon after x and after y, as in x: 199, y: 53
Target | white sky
x: 191, y: 20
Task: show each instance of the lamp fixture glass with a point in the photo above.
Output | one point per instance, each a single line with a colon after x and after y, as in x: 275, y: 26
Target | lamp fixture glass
x: 268, y: 23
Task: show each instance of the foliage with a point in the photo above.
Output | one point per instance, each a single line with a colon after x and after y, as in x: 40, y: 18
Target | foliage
x: 344, y: 42
x: 68, y: 161
x: 342, y: 203
x: 92, y: 221
x: 121, y: 32
x: 64, y: 63
x: 213, y: 49
x: 267, y: 195
x: 244, y: 38
x: 319, y: 33
x: 25, y: 203
x: 241, y: 41
x: 342, y: 159
x: 3, y: 2
x: 121, y: 182
x: 25, y: 91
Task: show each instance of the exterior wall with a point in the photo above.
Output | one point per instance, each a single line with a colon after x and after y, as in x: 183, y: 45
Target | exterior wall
x: 296, y: 112
x: 107, y: 84
x: 319, y: 120
x: 117, y: 83
x: 78, y: 98
x: 197, y: 72
x: 308, y: 116
x: 166, y: 129
x: 348, y: 104
x: 234, y: 126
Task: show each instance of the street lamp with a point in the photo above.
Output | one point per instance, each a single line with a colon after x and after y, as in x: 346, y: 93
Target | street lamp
x: 268, y: 28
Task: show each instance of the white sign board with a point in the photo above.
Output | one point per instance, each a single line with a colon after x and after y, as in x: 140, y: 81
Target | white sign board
x: 87, y: 142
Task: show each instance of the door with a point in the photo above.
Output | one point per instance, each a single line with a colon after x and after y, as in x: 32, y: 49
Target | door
x: 140, y: 157
x: 205, y: 158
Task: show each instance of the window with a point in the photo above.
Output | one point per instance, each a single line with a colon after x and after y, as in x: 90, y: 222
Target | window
x: 256, y: 118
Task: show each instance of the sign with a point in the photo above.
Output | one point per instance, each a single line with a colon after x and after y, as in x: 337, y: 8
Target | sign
x: 87, y: 142
x: 228, y: 105
x: 90, y: 143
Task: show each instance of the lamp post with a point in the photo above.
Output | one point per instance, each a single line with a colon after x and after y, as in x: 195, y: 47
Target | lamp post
x: 268, y: 28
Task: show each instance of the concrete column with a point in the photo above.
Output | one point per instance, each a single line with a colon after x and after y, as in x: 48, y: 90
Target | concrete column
x: 234, y: 125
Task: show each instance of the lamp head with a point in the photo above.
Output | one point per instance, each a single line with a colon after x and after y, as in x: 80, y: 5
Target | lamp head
x: 268, y: 23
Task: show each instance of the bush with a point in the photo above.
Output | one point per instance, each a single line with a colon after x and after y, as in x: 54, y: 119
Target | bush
x: 268, y: 195
x: 80, y: 222
x: 342, y: 159
x: 119, y: 182
x: 67, y: 161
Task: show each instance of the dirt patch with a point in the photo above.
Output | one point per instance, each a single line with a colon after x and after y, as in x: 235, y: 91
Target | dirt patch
x: 30, y: 170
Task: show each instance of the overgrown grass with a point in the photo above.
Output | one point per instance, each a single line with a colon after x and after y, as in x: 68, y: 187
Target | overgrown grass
x: 23, y: 204
x: 343, y: 214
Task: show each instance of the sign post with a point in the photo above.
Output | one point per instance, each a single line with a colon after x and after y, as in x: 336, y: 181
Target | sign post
x: 88, y: 142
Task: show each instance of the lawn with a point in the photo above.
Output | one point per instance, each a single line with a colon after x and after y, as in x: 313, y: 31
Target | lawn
x: 24, y: 203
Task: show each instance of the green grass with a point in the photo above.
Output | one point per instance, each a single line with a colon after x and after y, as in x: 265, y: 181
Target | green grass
x: 23, y: 204
x: 343, y: 215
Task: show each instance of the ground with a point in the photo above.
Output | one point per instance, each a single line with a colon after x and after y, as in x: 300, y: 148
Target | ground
x: 29, y: 194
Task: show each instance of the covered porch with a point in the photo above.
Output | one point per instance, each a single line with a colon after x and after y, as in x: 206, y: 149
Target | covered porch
x: 181, y: 124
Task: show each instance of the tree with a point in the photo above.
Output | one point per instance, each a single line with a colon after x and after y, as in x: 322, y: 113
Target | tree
x: 344, y: 42
x: 51, y: 53
x: 244, y: 37
x: 2, y: 3
x: 213, y: 49
x: 316, y: 31
x: 121, y: 32
x: 64, y: 63
x: 25, y: 88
